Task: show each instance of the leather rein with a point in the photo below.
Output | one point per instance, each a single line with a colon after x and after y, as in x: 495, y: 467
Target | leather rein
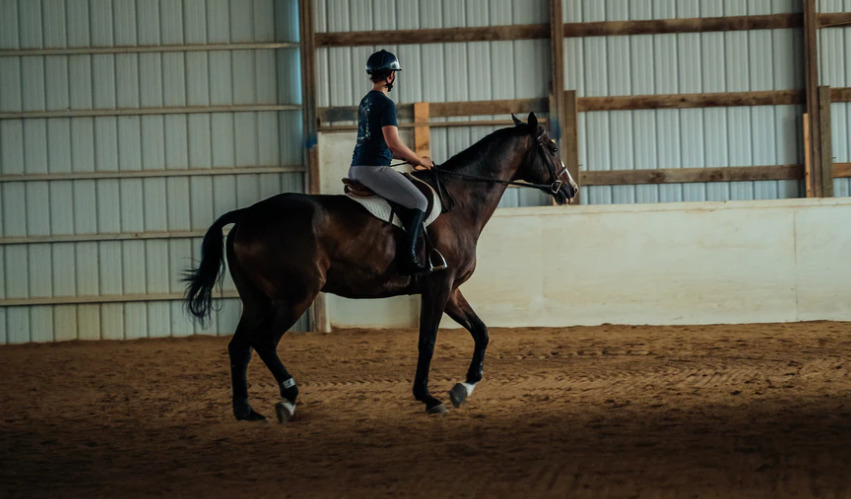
x: 448, y: 203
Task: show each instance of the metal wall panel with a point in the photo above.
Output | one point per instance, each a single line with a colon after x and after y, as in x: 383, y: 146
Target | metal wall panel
x: 685, y: 63
x: 86, y: 267
x: 835, y: 70
x: 598, y: 66
x: 438, y: 72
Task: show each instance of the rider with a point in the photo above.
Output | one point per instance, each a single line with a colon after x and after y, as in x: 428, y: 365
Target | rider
x: 378, y: 143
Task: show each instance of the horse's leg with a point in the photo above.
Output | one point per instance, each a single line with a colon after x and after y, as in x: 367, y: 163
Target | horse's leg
x: 265, y: 342
x: 255, y: 312
x: 432, y: 305
x: 461, y: 312
x: 239, y: 350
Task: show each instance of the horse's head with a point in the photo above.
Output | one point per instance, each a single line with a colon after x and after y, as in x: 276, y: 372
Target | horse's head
x: 543, y: 165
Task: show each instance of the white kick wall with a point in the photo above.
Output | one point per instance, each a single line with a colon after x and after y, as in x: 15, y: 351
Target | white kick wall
x: 688, y: 263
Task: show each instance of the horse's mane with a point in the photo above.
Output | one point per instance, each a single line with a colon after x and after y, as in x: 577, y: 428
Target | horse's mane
x: 483, y: 148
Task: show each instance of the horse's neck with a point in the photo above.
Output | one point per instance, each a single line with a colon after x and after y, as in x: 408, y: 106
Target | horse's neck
x: 477, y: 200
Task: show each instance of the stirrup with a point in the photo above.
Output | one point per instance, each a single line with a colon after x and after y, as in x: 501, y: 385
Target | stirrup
x: 441, y: 264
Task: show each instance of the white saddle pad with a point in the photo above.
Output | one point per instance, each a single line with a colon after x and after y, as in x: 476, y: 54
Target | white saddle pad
x: 380, y: 208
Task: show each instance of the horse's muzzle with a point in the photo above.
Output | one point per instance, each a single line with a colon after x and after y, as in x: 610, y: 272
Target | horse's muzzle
x: 565, y: 192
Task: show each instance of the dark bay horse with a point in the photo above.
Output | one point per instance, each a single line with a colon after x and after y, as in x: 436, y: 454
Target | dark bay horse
x: 286, y: 249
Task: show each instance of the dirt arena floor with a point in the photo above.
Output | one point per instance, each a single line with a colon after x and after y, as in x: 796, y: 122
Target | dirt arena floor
x: 610, y: 411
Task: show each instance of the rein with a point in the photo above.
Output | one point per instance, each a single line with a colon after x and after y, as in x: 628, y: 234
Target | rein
x: 449, y: 203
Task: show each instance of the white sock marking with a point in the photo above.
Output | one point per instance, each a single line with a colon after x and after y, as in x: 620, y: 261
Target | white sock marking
x: 469, y: 387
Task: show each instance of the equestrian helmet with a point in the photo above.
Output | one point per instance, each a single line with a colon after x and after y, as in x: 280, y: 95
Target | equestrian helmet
x: 382, y: 61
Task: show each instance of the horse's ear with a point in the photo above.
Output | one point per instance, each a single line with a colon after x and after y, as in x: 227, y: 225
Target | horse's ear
x: 533, y: 121
x: 516, y: 121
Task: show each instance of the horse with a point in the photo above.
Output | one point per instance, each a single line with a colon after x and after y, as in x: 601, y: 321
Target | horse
x: 284, y: 250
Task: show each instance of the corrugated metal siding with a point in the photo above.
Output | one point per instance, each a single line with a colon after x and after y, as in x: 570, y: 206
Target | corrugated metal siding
x: 124, y: 206
x: 685, y: 63
x: 598, y: 66
x: 439, y: 72
x: 835, y: 70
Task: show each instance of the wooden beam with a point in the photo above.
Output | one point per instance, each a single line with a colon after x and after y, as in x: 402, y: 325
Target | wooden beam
x: 586, y: 104
x: 570, y: 145
x: 318, y: 317
x: 422, y: 137
x: 840, y: 94
x: 308, y: 88
x: 488, y: 107
x: 436, y: 124
x: 573, y: 30
x: 556, y: 90
x: 811, y: 91
x: 834, y: 19
x: 826, y: 144
x: 690, y: 175
x: 434, y: 35
x: 841, y: 170
x: 683, y: 25
x: 808, y: 159
x: 682, y: 101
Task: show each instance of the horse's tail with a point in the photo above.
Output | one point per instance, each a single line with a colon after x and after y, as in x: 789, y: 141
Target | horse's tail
x: 199, y: 290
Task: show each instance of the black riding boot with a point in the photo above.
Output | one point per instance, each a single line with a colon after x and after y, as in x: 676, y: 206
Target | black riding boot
x: 410, y: 264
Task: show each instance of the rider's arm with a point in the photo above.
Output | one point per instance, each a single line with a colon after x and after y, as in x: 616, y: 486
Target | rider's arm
x: 400, y: 150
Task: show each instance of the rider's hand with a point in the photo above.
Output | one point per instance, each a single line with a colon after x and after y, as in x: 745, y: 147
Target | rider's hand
x: 425, y: 163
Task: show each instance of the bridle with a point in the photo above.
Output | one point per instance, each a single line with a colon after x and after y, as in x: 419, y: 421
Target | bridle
x: 551, y: 188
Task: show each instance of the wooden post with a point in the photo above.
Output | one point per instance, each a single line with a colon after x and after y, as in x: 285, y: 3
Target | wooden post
x: 808, y: 160
x: 421, y: 129
x: 570, y: 142
x: 826, y: 144
x: 317, y: 316
x: 816, y: 184
x: 556, y: 97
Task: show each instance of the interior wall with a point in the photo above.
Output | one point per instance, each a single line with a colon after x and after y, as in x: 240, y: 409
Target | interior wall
x: 691, y: 263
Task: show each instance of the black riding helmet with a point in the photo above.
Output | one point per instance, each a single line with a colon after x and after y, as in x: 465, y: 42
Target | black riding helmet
x: 382, y: 61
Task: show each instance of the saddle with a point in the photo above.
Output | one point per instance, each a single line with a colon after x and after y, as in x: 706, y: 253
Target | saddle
x: 388, y: 211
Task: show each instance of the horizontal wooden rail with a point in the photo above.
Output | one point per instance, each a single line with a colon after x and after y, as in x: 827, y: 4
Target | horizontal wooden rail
x: 689, y: 175
x: 143, y: 49
x: 444, y: 109
x: 834, y: 19
x: 572, y: 30
x: 433, y: 35
x: 585, y: 104
x: 681, y: 101
x: 143, y: 111
x: 841, y: 170
x: 191, y: 172
x: 92, y: 299
x: 433, y: 124
x: 714, y: 174
x: 683, y: 25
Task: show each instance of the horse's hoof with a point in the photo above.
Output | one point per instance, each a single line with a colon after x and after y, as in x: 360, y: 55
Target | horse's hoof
x: 438, y: 409
x: 251, y: 416
x: 285, y: 410
x: 458, y: 395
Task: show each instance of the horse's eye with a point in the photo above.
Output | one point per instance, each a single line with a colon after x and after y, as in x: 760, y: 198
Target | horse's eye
x: 555, y: 149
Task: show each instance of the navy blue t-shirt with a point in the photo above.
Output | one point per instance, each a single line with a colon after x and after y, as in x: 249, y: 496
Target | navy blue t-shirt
x: 376, y: 110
